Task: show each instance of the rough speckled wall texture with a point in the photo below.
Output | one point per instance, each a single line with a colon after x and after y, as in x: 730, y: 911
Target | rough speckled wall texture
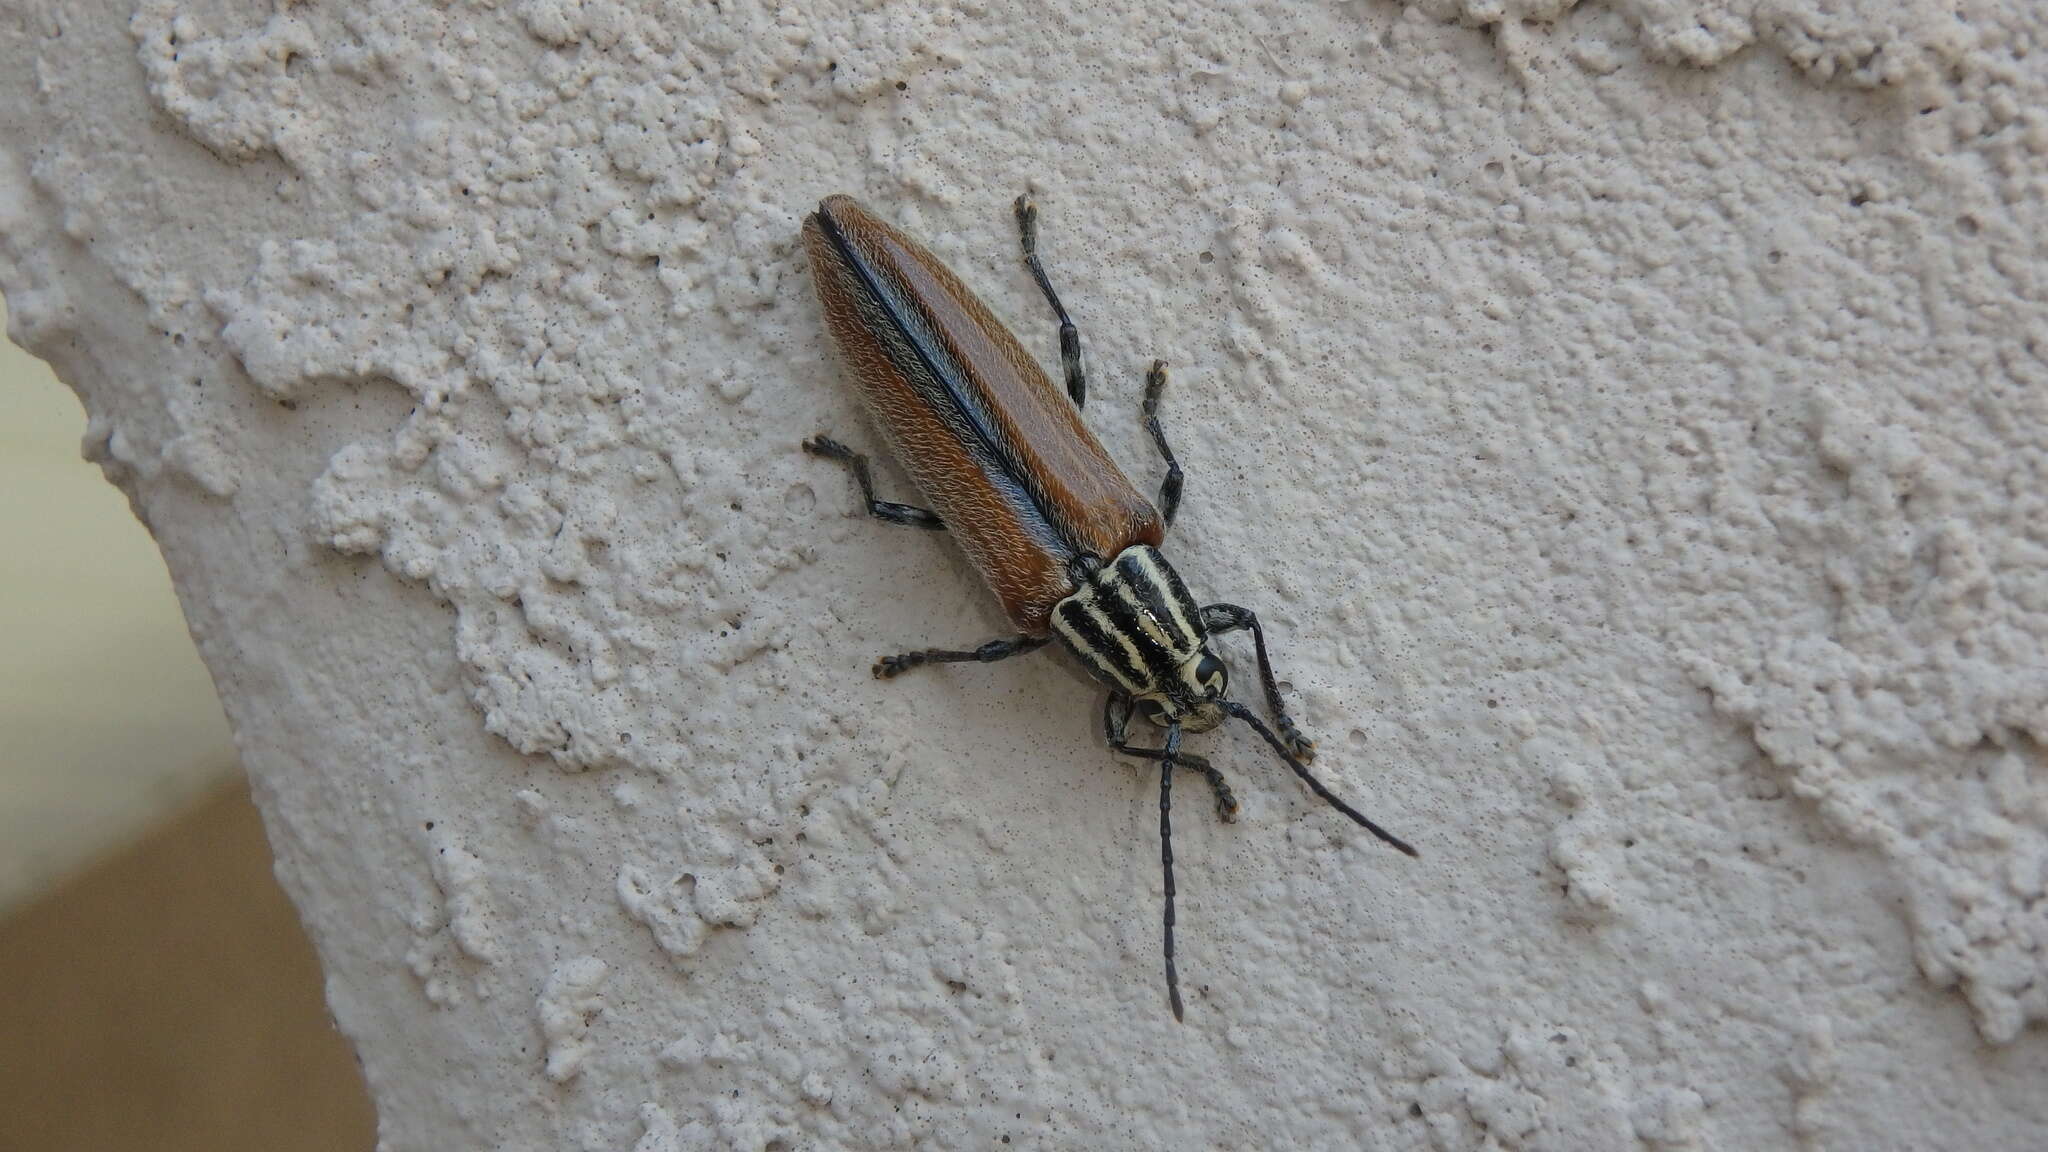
x: 1631, y: 418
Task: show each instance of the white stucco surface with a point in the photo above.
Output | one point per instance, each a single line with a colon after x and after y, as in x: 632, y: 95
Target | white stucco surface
x: 1631, y: 420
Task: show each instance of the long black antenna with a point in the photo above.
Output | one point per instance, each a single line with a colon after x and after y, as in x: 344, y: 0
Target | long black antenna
x: 1245, y: 714
x: 1166, y: 856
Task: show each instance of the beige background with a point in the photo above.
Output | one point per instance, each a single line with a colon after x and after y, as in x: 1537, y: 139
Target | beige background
x: 161, y: 993
x: 111, y: 721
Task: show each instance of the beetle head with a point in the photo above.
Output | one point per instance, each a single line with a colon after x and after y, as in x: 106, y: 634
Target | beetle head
x: 1189, y: 698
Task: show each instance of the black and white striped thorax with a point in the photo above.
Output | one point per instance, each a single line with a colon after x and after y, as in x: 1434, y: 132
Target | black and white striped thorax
x: 1135, y: 628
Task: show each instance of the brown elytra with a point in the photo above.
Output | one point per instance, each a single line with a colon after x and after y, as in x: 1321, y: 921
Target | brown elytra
x: 999, y: 452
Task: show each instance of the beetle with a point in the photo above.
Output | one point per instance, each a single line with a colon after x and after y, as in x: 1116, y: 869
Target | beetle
x: 1047, y: 518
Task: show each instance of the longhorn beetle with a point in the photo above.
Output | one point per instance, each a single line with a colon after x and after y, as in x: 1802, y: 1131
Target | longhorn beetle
x: 1066, y: 543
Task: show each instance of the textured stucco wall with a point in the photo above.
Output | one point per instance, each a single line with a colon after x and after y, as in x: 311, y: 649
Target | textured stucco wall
x: 1631, y: 417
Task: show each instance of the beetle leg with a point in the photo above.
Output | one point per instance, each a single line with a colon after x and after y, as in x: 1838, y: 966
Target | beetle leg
x: 1169, y: 489
x: 1070, y: 338
x: 880, y: 509
x: 1221, y: 618
x: 889, y: 667
x: 1115, y: 726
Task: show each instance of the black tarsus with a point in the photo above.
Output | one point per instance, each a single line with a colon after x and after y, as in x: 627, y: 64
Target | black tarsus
x: 1116, y: 728
x: 1166, y: 759
x: 1169, y: 488
x: 1220, y: 618
x: 880, y: 509
x: 892, y: 666
x: 1248, y: 716
x: 1070, y: 338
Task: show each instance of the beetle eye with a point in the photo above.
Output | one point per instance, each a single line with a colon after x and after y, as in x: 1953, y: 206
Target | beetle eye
x: 1212, y: 675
